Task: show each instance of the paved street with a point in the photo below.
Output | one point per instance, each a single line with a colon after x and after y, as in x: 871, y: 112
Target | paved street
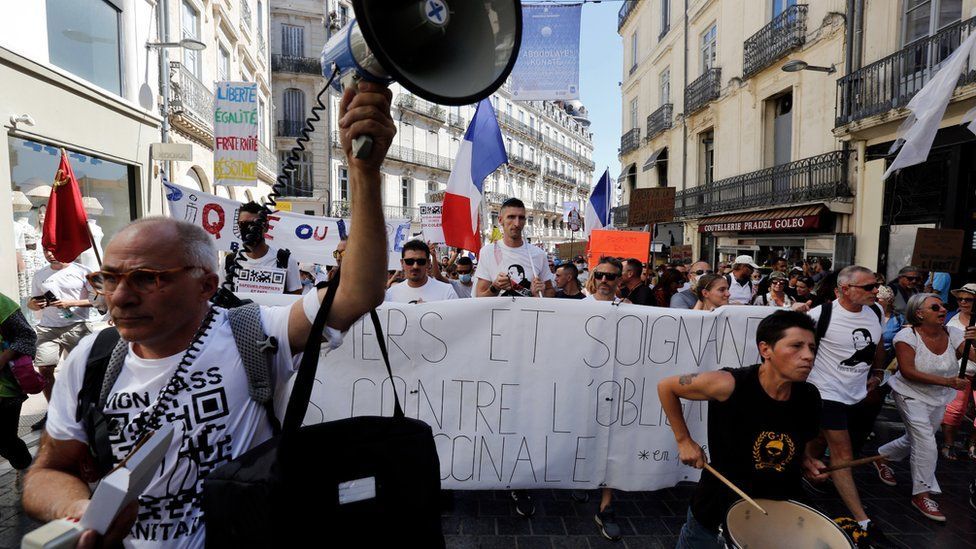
x: 484, y: 519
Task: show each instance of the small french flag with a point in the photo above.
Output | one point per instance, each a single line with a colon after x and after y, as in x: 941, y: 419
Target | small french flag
x: 481, y: 152
x: 597, y: 214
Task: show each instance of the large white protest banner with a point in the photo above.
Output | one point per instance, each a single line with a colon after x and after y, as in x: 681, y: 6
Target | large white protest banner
x: 310, y: 238
x: 534, y: 393
x: 236, y: 134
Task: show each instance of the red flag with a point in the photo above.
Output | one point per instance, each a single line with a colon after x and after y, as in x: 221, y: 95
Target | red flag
x: 65, y: 224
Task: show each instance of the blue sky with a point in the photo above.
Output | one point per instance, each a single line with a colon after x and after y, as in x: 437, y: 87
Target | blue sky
x: 600, y: 69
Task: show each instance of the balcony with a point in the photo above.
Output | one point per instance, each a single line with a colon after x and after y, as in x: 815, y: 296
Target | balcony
x: 289, y: 128
x: 496, y: 198
x: 703, y: 90
x: 299, y: 65
x: 267, y: 162
x: 785, y: 33
x: 818, y: 178
x: 891, y: 82
x: 629, y: 141
x: 421, y: 106
x: 659, y: 120
x: 191, y: 103
x: 523, y: 163
x: 408, y: 155
x: 246, y: 15
x: 340, y: 208
x: 619, y: 215
x: 625, y: 11
x: 456, y: 121
x: 553, y: 174
x: 520, y: 127
x: 262, y: 48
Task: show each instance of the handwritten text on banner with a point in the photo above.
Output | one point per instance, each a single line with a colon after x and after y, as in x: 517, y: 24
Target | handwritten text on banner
x: 236, y: 134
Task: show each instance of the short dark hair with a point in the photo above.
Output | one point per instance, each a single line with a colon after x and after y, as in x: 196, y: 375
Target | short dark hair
x: 611, y: 261
x: 825, y: 263
x: 807, y: 281
x: 465, y: 260
x: 569, y: 266
x: 512, y: 203
x: 252, y: 207
x: 634, y: 265
x: 773, y: 327
x: 416, y: 245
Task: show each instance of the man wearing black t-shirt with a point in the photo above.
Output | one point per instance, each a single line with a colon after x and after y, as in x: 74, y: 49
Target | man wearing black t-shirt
x: 760, y: 419
x: 631, y: 286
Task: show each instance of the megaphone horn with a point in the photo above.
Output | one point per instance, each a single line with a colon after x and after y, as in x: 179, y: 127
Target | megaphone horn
x: 451, y: 54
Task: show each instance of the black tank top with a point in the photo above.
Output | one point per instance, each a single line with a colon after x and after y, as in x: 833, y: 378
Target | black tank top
x: 757, y: 443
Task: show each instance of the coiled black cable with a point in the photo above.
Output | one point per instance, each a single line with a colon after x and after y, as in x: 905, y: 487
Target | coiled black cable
x: 225, y: 296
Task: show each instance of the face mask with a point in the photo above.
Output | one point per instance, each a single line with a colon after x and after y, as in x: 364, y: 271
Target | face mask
x: 465, y: 278
x: 246, y: 227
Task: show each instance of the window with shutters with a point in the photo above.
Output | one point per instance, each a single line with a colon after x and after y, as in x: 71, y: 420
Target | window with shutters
x: 292, y: 41
x: 190, y: 28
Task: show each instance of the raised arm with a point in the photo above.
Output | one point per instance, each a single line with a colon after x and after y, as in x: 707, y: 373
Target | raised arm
x: 704, y: 386
x: 365, y: 258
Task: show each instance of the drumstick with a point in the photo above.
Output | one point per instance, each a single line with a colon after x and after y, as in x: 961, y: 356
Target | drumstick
x: 854, y: 463
x: 734, y: 488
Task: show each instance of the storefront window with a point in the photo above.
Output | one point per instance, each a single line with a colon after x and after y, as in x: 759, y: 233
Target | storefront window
x: 107, y: 188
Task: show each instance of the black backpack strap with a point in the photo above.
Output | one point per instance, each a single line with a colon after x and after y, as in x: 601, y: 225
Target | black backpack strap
x: 824, y: 320
x: 876, y: 309
x: 229, y: 271
x: 101, y: 369
x: 282, y: 258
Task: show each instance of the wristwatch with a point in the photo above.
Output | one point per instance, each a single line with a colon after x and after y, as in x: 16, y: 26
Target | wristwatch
x: 493, y: 289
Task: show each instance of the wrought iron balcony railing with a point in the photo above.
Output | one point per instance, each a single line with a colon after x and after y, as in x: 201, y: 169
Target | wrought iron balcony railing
x: 189, y: 98
x: 659, y: 120
x: 625, y: 11
x: 522, y: 163
x: 301, y: 65
x: 891, y: 82
x: 520, y: 127
x: 703, y: 90
x: 289, y: 128
x: 262, y: 48
x: 553, y: 174
x: 496, y: 198
x: 266, y: 160
x: 822, y: 177
x: 630, y: 141
x: 246, y: 15
x: 421, y: 106
x: 619, y: 215
x: 409, y: 155
x: 786, y: 32
x: 456, y: 121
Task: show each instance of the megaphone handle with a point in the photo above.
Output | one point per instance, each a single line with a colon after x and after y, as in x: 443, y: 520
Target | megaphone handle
x: 362, y: 146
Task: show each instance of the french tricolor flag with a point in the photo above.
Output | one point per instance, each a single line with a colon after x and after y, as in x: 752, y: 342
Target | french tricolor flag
x: 482, y: 151
x: 597, y: 214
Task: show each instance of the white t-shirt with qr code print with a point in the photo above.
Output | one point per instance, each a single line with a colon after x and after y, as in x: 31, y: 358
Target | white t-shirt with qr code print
x: 215, y: 420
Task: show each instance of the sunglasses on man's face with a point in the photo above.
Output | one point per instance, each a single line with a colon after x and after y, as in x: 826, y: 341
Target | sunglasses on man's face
x: 866, y: 287
x: 600, y: 275
x: 409, y: 261
x: 700, y: 272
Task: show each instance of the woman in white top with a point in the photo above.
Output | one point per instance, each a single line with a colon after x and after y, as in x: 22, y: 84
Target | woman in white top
x: 712, y: 291
x: 956, y: 410
x: 926, y: 381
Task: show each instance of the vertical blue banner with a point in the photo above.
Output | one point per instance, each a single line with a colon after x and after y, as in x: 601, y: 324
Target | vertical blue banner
x: 548, y: 63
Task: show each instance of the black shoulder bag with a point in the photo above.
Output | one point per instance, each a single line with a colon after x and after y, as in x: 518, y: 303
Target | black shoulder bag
x: 362, y: 481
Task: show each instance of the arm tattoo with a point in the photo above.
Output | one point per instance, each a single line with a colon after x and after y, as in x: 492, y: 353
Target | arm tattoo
x: 687, y: 379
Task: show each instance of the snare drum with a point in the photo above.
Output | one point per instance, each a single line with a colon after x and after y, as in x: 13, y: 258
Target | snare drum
x: 789, y: 524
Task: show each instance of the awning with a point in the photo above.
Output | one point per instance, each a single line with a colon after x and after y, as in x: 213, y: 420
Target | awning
x: 652, y: 160
x: 628, y: 171
x: 797, y: 219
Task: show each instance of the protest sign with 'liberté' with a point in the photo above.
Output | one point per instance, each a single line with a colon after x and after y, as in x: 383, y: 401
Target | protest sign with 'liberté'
x: 530, y: 393
x: 310, y: 238
x: 236, y: 134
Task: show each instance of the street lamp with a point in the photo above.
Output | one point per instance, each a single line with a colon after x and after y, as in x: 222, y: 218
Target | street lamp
x: 797, y: 66
x: 163, y: 47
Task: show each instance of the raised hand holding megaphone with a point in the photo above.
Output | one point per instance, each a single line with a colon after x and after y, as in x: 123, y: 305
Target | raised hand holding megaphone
x: 450, y: 54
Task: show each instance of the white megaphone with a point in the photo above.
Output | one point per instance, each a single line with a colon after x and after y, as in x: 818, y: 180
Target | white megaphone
x: 451, y: 54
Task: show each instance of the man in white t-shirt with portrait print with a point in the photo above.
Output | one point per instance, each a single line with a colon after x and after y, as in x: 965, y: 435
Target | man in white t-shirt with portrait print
x: 418, y: 286
x: 512, y: 266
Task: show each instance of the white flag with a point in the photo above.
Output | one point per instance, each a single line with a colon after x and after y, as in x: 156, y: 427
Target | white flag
x: 928, y: 106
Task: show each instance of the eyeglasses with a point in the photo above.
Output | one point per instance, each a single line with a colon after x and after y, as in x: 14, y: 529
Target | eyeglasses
x: 913, y: 278
x: 965, y: 299
x: 610, y: 277
x: 866, y: 287
x: 337, y: 254
x: 700, y: 272
x: 777, y: 282
x: 141, y: 281
x: 937, y: 307
x: 409, y: 261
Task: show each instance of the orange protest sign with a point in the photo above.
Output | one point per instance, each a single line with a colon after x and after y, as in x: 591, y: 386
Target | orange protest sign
x: 624, y: 244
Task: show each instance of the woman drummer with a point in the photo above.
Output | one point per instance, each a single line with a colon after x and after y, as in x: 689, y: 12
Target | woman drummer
x: 926, y: 381
x: 760, y: 419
